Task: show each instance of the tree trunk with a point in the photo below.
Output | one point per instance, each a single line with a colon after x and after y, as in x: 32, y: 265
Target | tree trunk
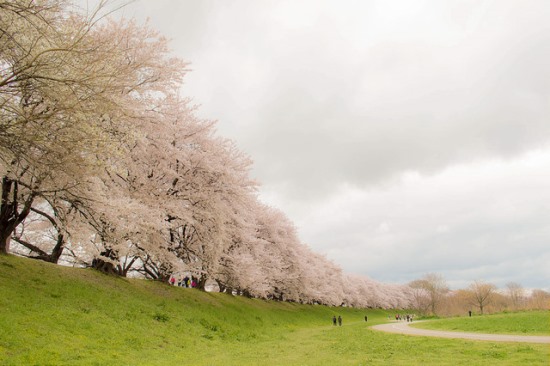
x: 5, y: 237
x: 42, y: 255
x: 124, y: 268
x: 9, y: 217
x: 163, y: 278
x: 201, y: 283
x: 104, y: 266
x: 150, y: 272
x: 7, y: 212
x: 58, y: 249
x: 220, y: 285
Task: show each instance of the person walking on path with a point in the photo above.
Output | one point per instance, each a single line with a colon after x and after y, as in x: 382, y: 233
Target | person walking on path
x: 339, y: 320
x: 334, y: 320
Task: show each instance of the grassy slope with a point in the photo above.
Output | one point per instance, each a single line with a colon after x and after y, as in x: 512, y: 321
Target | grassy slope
x: 52, y: 315
x: 531, y: 323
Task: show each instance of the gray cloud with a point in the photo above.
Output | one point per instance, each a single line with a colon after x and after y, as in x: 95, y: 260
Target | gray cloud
x: 487, y: 221
x: 316, y: 104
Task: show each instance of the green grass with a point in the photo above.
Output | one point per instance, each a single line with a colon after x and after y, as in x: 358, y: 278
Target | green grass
x: 52, y: 315
x: 521, y: 323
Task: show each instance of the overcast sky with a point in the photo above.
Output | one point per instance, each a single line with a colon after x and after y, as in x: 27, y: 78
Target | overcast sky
x: 401, y: 137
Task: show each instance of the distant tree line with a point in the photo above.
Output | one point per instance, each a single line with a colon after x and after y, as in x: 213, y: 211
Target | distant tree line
x: 104, y: 164
x: 430, y: 295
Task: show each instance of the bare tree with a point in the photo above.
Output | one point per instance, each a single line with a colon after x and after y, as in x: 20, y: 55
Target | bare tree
x: 481, y: 294
x: 431, y: 290
x: 539, y: 299
x: 516, y: 294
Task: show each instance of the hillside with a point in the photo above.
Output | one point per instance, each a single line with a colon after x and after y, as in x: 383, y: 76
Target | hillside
x: 54, y: 315
x: 59, y: 315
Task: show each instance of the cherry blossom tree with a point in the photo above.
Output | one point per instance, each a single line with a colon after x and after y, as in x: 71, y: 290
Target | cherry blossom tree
x: 36, y: 131
x: 420, y: 296
x: 72, y: 89
x: 364, y: 292
x: 322, y: 281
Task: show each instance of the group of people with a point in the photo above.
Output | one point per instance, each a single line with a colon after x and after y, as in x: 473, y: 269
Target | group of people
x: 408, y: 317
x: 190, y: 282
x: 339, y: 320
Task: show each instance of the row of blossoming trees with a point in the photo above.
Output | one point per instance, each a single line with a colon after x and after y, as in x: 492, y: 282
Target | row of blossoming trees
x: 103, y: 164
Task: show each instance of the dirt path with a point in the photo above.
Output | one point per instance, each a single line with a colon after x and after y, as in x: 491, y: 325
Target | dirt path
x: 403, y: 328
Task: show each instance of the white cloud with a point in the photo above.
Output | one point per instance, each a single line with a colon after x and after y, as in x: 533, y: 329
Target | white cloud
x: 489, y: 220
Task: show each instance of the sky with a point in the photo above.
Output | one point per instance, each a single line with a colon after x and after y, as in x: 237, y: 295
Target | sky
x: 401, y: 137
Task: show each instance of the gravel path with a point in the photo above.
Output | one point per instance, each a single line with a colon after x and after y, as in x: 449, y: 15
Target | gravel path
x: 403, y: 328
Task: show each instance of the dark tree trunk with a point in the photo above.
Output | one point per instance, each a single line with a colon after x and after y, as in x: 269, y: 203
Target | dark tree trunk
x: 5, y: 237
x: 42, y: 255
x: 10, y: 218
x: 104, y: 266
x: 221, y: 286
x: 201, y: 283
x: 163, y: 278
x: 124, y: 268
x: 57, y: 251
x: 150, y: 272
x: 8, y: 211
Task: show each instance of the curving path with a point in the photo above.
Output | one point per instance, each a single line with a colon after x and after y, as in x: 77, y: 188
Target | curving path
x: 403, y: 328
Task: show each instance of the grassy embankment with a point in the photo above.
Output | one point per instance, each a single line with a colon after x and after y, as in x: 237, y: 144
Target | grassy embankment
x: 52, y: 315
x: 520, y: 323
